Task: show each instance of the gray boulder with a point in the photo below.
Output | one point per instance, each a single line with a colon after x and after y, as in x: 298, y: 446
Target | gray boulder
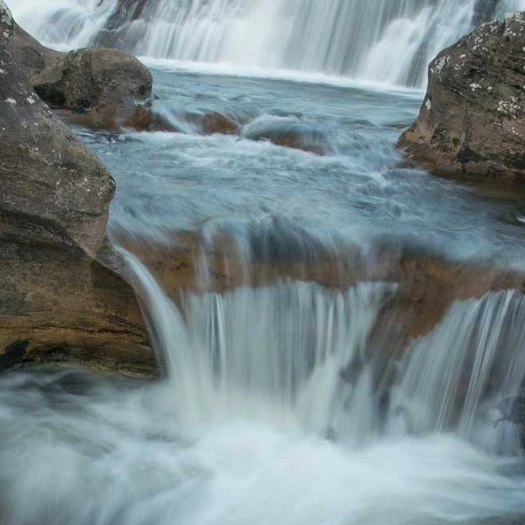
x: 106, y: 83
x: 103, y: 85
x: 472, y: 119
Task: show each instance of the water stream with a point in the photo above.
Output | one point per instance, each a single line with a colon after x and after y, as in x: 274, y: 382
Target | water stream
x: 273, y: 404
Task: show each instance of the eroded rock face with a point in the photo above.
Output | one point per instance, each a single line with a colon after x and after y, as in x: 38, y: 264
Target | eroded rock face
x: 59, y: 299
x: 473, y: 117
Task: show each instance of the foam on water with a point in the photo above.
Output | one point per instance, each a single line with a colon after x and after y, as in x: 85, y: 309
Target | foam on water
x: 380, y: 41
x: 256, y: 421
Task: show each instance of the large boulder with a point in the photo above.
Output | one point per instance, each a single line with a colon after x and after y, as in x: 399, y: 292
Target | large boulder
x: 473, y: 116
x: 102, y: 85
x: 60, y: 299
x: 34, y: 58
x: 107, y: 83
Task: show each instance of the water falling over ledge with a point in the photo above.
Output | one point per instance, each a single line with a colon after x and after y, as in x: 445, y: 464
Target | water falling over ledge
x: 297, y: 352
x: 385, y: 41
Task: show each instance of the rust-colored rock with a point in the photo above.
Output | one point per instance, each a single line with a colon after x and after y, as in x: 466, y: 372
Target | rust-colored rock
x: 214, y: 122
x: 60, y: 299
x: 426, y: 284
x: 472, y: 119
x: 144, y: 119
x: 288, y: 134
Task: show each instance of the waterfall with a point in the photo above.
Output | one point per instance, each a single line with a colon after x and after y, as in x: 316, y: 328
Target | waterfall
x: 296, y: 354
x: 386, y: 41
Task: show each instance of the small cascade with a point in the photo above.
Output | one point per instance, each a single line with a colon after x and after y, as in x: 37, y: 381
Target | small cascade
x: 297, y: 354
x: 459, y: 376
x: 385, y: 41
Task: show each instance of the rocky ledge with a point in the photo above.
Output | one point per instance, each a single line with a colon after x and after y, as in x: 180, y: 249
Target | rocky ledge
x: 472, y: 120
x: 60, y: 299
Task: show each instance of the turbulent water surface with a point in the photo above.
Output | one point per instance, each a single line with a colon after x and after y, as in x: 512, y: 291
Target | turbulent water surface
x: 273, y: 408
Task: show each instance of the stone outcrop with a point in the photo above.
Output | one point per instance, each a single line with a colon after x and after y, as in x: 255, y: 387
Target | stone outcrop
x: 42, y: 65
x: 126, y: 13
x: 100, y: 86
x: 484, y: 11
x: 472, y: 119
x: 206, y: 123
x: 60, y: 300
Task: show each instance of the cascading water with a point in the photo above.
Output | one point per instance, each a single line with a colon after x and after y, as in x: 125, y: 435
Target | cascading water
x: 296, y: 353
x: 386, y: 41
x: 282, y: 401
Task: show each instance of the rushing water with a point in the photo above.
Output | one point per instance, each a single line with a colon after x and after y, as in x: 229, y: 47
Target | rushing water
x: 388, y: 41
x: 274, y: 406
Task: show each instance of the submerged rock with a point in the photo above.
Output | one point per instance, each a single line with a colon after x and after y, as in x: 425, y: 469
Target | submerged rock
x: 287, y: 133
x: 59, y: 300
x: 472, y: 119
x: 206, y: 123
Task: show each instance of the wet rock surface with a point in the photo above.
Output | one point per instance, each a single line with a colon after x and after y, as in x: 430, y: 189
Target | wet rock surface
x: 60, y: 300
x: 472, y: 120
x: 426, y: 284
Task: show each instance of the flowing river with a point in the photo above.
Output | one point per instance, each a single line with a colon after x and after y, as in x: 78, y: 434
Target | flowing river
x: 273, y: 408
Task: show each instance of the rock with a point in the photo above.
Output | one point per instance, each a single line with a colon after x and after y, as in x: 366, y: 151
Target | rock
x: 427, y: 285
x: 472, y: 120
x: 144, y: 119
x: 32, y: 56
x: 105, y: 83
x: 215, y: 122
x: 513, y: 411
x: 288, y: 133
x: 484, y: 11
x: 127, y: 11
x: 147, y: 119
x: 60, y: 299
x: 116, y: 31
x: 43, y: 66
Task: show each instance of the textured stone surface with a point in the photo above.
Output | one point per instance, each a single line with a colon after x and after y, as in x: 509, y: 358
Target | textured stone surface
x: 58, y: 295
x: 102, y: 85
x: 473, y: 116
x: 427, y: 284
x: 106, y: 83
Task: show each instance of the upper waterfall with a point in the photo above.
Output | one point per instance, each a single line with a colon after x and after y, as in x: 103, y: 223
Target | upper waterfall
x: 385, y: 41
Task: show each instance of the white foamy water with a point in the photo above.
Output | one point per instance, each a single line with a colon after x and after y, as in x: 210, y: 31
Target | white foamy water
x: 386, y: 41
x: 256, y: 421
x: 275, y: 406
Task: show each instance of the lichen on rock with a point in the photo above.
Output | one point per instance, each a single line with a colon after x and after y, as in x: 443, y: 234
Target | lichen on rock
x: 473, y: 116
